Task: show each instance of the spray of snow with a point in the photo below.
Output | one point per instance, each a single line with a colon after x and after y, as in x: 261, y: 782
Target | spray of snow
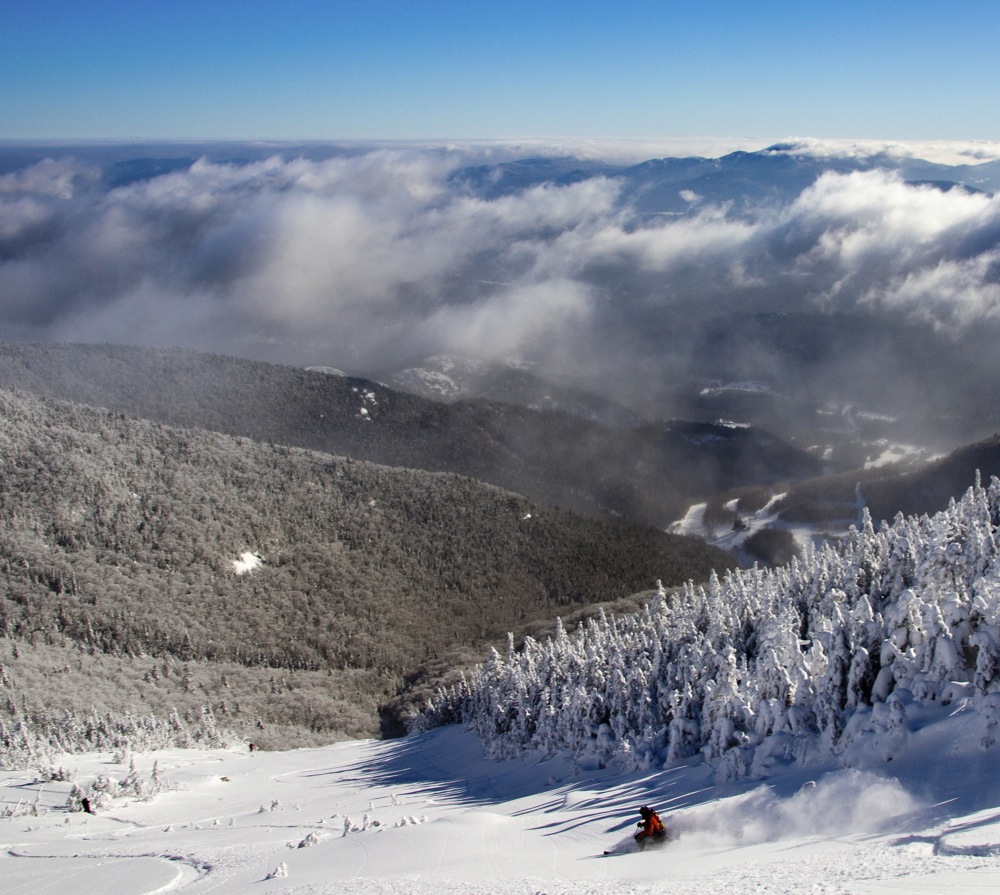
x: 849, y: 802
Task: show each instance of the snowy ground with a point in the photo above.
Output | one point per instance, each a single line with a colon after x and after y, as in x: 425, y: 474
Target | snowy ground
x: 732, y: 539
x: 431, y: 815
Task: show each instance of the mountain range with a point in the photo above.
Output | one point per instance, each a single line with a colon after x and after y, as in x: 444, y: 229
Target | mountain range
x: 775, y: 173
x: 648, y: 473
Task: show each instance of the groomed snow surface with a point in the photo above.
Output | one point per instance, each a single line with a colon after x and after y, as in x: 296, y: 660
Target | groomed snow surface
x: 430, y: 814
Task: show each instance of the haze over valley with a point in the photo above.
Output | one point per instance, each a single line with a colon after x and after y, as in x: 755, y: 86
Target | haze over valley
x: 825, y: 294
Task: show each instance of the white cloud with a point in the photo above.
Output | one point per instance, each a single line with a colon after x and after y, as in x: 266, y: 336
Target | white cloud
x: 708, y: 237
x: 945, y: 152
x: 522, y: 317
x: 360, y: 254
x: 874, y: 236
x: 55, y: 178
x: 951, y: 294
x: 22, y: 216
x: 880, y: 206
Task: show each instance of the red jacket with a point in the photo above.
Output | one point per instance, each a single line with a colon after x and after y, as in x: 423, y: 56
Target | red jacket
x: 651, y: 826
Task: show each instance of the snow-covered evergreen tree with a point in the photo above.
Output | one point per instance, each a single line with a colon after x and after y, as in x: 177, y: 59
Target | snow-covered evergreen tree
x: 764, y: 664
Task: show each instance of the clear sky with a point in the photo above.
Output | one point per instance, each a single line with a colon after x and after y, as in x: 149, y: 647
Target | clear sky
x: 452, y: 69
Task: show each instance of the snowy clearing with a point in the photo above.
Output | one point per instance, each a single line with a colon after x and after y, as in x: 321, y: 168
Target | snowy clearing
x: 247, y: 562
x: 730, y: 538
x: 430, y: 814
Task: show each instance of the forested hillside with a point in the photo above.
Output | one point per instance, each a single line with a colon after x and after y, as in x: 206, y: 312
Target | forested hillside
x: 648, y: 473
x: 925, y: 488
x: 121, y: 536
x: 762, y: 668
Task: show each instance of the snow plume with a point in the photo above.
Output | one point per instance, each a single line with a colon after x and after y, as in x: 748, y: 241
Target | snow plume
x: 849, y: 802
x: 836, y: 655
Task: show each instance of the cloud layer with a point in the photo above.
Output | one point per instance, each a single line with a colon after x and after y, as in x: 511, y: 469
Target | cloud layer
x: 374, y: 258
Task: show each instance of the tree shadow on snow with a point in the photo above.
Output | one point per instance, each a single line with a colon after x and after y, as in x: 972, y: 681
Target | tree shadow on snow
x: 449, y: 763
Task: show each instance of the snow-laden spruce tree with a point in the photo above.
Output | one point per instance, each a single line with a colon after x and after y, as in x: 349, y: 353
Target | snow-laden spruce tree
x: 766, y: 665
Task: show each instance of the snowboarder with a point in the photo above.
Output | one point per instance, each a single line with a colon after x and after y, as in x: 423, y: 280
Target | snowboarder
x: 651, y: 829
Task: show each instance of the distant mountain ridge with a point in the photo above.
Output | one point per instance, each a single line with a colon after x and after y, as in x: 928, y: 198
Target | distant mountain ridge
x: 454, y: 378
x: 647, y: 473
x: 754, y: 170
x: 748, y: 179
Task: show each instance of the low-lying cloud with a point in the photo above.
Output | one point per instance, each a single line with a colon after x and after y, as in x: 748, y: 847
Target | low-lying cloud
x: 367, y: 260
x: 346, y: 256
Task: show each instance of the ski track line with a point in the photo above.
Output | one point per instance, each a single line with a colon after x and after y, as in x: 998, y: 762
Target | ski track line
x: 187, y: 870
x: 355, y: 842
x: 365, y: 855
x: 443, y: 852
x: 490, y: 848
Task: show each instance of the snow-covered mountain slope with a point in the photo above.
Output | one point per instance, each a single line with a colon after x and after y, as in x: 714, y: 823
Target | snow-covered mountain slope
x: 831, y: 727
x: 429, y: 814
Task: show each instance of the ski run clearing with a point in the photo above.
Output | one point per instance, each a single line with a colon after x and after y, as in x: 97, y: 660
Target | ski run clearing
x: 431, y: 814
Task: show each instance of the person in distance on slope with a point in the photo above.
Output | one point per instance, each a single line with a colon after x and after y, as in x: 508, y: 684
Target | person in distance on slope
x: 651, y: 829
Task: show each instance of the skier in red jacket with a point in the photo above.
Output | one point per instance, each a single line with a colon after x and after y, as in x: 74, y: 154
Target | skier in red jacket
x: 651, y: 828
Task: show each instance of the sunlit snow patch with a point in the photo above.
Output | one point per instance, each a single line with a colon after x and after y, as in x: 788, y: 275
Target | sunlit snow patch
x: 247, y: 562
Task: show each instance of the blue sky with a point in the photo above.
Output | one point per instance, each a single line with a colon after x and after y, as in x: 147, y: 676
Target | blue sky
x: 443, y: 69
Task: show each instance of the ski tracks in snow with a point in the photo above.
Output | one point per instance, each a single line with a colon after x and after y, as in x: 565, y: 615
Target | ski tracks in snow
x: 120, y: 874
x: 513, y: 828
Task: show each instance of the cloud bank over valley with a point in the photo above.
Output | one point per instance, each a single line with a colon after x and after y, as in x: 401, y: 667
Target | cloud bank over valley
x: 597, y: 272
